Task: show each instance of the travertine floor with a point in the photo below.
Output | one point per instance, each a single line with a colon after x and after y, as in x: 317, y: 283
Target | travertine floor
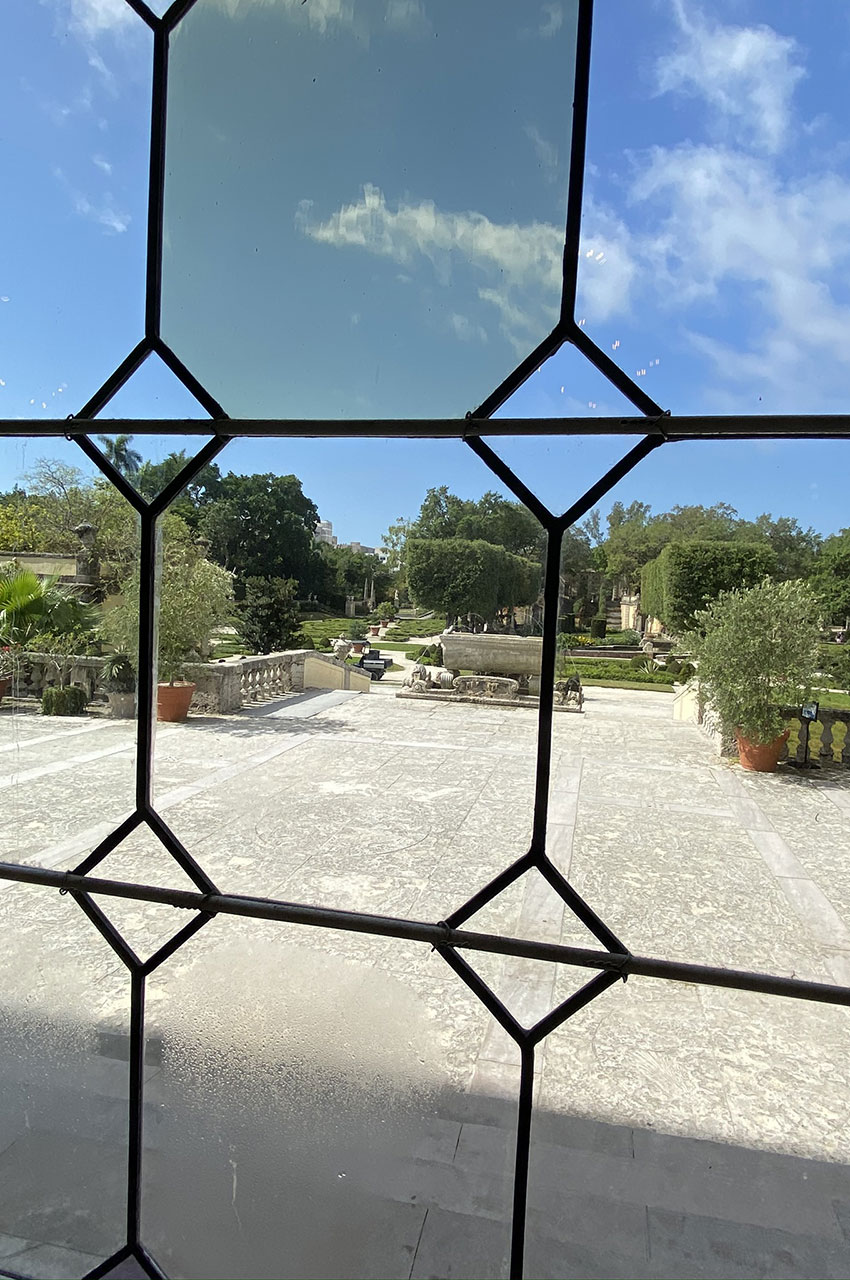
x: 298, y: 1074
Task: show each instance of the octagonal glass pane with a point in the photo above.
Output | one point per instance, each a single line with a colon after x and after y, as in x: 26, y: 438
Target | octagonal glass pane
x: 365, y: 205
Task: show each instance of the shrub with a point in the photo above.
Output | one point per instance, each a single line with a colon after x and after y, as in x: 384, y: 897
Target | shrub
x: 71, y: 700
x: 643, y: 662
x: 757, y: 651
x: 598, y: 627
x: 268, y: 615
x: 567, y: 623
x: 385, y: 611
x: 357, y: 630
x: 303, y: 641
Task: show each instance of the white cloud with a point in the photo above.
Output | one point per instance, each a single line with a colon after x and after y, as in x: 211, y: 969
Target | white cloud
x: 103, y: 165
x: 92, y: 18
x: 747, y: 74
x: 407, y: 17
x: 466, y: 330
x: 519, y: 267
x: 104, y: 211
x: 546, y: 152
x: 551, y: 22
x: 320, y: 15
x: 730, y: 237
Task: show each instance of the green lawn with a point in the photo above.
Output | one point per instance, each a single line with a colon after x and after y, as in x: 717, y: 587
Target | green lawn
x: 833, y: 701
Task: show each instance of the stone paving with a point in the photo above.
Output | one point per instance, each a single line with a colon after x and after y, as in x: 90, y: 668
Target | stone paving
x: 327, y: 1103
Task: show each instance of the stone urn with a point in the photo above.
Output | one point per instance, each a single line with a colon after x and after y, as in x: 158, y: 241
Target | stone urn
x: 172, y: 701
x: 122, y: 706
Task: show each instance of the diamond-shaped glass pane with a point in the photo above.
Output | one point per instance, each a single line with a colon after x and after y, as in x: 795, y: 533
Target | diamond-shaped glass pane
x: 357, y: 223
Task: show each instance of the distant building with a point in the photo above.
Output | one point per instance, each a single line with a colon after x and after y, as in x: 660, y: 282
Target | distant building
x: 325, y: 533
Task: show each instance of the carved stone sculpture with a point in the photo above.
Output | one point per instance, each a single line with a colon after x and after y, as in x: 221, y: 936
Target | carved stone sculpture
x: 486, y: 686
x: 568, y: 692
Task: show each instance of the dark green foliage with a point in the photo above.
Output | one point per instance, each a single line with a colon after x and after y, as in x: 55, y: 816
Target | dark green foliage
x: 303, y: 641
x: 461, y: 576
x: 831, y: 578
x: 71, y: 700
x: 598, y: 627
x: 834, y: 662
x: 269, y: 620
x: 119, y: 675
x: 567, y: 624
x: 643, y: 662
x: 688, y: 575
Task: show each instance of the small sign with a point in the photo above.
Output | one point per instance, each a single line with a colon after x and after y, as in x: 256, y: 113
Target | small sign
x: 809, y: 711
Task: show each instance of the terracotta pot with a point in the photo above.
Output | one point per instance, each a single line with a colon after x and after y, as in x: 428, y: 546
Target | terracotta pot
x: 172, y: 700
x: 357, y: 646
x: 373, y: 629
x: 761, y: 757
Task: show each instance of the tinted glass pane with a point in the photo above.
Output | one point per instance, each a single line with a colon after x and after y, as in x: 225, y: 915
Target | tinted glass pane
x: 365, y: 207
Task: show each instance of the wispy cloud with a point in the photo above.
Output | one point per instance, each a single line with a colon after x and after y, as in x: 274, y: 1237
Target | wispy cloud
x: 92, y: 18
x: 746, y: 74
x: 103, y: 165
x: 545, y: 151
x: 516, y: 268
x: 723, y: 228
x: 103, y: 211
x: 551, y: 21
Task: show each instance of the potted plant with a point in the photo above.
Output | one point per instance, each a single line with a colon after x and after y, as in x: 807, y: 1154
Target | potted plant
x: 195, y: 597
x: 119, y: 678
x: 757, y: 652
x: 174, y: 692
x: 357, y: 636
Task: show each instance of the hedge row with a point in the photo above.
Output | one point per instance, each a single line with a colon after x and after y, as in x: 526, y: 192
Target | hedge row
x: 687, y: 575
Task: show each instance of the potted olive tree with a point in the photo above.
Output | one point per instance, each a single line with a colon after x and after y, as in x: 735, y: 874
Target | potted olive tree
x: 757, y: 652
x: 195, y: 596
x: 357, y: 636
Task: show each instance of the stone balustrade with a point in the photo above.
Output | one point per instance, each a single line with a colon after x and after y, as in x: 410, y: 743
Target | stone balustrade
x: 221, y: 688
x: 829, y: 736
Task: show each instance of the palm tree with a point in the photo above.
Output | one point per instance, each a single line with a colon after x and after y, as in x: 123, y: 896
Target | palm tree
x: 119, y: 453
x: 31, y: 606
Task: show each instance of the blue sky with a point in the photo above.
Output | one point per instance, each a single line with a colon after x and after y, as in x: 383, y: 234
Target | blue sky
x: 401, y: 266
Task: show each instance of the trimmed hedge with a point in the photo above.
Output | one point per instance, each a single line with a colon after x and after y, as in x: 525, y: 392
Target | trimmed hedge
x: 612, y: 669
x: 686, y: 576
x: 71, y: 700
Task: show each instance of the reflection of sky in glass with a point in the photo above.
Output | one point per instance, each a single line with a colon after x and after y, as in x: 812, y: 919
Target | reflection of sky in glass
x: 365, y: 204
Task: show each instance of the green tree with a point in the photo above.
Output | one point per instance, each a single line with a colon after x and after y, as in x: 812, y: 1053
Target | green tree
x: 119, y: 453
x: 153, y: 477
x: 195, y: 596
x: 261, y: 526
x: 831, y: 576
x: 268, y: 614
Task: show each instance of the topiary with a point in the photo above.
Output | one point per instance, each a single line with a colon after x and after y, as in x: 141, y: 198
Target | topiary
x: 598, y: 627
x: 71, y: 700
x: 303, y: 641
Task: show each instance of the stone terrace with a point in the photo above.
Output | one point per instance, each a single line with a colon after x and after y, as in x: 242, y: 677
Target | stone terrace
x: 301, y: 1076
